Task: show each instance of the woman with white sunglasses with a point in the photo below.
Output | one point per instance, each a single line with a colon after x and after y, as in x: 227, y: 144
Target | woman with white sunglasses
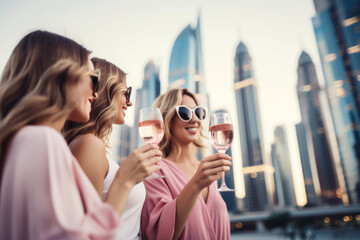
x: 182, y: 205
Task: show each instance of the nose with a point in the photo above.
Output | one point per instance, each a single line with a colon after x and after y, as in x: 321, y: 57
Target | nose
x: 129, y: 104
x: 194, y: 118
x: 95, y: 95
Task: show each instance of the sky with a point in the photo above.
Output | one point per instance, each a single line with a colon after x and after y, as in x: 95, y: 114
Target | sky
x: 131, y: 33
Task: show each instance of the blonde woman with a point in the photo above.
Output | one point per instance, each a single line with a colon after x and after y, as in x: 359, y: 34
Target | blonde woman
x: 181, y: 206
x: 88, y: 142
x: 44, y: 192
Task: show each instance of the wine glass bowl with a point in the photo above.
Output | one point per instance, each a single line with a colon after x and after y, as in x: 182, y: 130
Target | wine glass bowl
x: 151, y: 129
x: 221, y: 136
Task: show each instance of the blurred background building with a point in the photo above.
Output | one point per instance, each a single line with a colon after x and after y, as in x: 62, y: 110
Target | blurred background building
x: 337, y: 32
x: 284, y: 184
x: 186, y: 63
x: 312, y: 198
x: 316, y: 133
x: 255, y: 168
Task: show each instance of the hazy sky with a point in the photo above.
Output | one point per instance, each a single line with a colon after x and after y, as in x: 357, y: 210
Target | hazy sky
x: 130, y: 33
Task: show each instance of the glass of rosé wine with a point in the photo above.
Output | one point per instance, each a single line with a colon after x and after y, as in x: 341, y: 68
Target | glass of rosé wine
x: 221, y: 136
x: 151, y: 129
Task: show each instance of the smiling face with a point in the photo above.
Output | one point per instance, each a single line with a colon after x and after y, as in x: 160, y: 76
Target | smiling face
x: 186, y: 132
x: 81, y: 97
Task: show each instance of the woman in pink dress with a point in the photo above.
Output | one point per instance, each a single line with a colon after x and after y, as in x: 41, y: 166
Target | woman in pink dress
x: 182, y: 205
x: 44, y: 192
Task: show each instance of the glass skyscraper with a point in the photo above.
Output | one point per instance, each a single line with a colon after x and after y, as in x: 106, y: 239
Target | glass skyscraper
x: 255, y: 170
x: 186, y: 63
x: 337, y: 32
x: 284, y: 184
x: 146, y: 95
x: 124, y: 148
x: 308, y: 91
x: 309, y: 180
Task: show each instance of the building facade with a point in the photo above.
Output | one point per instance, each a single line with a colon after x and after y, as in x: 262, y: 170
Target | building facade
x: 320, y: 154
x: 284, y: 184
x: 337, y: 31
x: 309, y: 181
x: 255, y: 169
x: 186, y: 63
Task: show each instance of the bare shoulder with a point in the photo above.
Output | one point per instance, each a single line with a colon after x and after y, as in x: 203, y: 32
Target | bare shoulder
x: 88, y: 142
x: 90, y: 151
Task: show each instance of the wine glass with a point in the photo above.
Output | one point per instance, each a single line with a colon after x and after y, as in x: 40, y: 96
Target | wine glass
x: 151, y: 129
x: 221, y: 136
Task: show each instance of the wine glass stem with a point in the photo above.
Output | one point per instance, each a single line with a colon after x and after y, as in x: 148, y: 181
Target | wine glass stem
x: 223, y: 183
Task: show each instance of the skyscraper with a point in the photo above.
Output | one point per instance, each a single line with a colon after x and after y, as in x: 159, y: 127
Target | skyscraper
x: 308, y: 91
x: 146, y: 95
x: 186, y: 63
x: 124, y: 148
x: 309, y: 180
x: 251, y: 142
x: 337, y: 32
x: 284, y: 185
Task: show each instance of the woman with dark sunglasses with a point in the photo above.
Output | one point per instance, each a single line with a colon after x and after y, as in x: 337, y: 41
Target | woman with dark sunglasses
x: 88, y: 142
x: 182, y: 205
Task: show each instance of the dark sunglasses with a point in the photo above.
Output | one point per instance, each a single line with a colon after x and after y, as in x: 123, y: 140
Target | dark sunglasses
x: 95, y: 78
x: 127, y: 93
x: 185, y: 113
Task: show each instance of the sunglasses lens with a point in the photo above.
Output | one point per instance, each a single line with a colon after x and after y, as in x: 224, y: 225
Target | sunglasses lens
x: 184, y: 113
x: 128, y: 94
x: 200, y: 113
x: 95, y: 83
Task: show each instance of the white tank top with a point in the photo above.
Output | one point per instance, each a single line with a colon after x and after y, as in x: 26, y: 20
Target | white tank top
x: 130, y: 218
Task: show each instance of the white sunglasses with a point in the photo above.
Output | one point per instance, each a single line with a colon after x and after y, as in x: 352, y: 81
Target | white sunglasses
x: 185, y: 113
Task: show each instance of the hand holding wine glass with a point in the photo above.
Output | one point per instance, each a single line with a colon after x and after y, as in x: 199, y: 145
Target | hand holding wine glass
x: 151, y: 129
x: 221, y: 136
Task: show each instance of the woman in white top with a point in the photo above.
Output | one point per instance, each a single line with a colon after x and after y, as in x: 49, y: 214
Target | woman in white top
x: 88, y: 142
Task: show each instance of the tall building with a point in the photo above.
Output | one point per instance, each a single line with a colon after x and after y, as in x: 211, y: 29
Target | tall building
x: 229, y: 197
x: 284, y: 184
x: 308, y: 91
x: 251, y: 141
x: 186, y: 63
x: 124, y: 148
x: 146, y: 95
x: 337, y: 32
x: 309, y: 180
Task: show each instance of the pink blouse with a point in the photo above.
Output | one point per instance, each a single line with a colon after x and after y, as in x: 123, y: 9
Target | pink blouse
x: 46, y: 195
x: 208, y: 220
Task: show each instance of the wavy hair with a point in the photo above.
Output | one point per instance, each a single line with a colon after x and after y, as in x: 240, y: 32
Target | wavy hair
x: 42, y: 67
x: 166, y: 103
x: 103, y: 112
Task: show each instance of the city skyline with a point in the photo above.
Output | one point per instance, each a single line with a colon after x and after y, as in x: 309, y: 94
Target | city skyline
x: 129, y: 36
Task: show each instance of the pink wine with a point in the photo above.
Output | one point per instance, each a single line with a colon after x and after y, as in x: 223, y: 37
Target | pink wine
x: 221, y: 136
x: 151, y: 131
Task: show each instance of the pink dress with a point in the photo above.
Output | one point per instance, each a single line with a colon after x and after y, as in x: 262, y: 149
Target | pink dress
x: 208, y: 220
x: 46, y: 195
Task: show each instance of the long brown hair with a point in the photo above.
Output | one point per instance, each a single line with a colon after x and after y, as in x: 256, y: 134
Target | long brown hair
x: 35, y: 80
x: 103, y: 113
x: 166, y: 103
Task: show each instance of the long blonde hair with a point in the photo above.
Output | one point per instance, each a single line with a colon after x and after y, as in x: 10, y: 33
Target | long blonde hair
x: 103, y: 113
x: 35, y: 80
x: 166, y: 103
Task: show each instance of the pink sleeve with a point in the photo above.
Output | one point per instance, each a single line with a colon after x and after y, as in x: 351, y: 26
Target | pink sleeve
x: 46, y: 195
x: 159, y: 211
